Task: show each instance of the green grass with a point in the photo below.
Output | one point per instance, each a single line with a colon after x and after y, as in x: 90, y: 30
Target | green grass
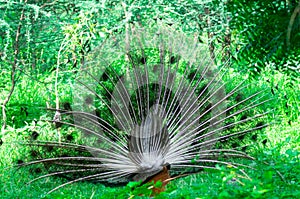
x: 276, y: 172
x: 276, y: 175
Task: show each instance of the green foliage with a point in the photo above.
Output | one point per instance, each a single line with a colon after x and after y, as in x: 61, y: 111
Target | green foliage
x: 276, y: 173
x: 58, y: 36
x: 261, y: 34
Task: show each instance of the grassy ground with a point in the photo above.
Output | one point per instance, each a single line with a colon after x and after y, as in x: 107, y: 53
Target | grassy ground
x: 276, y: 175
x: 276, y: 172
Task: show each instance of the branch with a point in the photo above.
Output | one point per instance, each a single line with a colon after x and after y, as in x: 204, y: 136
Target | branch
x: 210, y: 36
x: 13, y: 68
x: 49, y: 4
x: 291, y: 23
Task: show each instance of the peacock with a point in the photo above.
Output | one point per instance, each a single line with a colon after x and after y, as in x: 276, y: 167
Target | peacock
x: 150, y: 104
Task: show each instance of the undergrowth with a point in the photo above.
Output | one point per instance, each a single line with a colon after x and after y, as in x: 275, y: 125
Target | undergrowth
x: 275, y: 173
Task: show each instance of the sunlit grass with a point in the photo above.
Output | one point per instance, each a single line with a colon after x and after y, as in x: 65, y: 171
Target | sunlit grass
x: 276, y: 172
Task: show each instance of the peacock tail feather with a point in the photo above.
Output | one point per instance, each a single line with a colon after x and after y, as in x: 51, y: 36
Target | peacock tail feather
x: 147, y: 100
